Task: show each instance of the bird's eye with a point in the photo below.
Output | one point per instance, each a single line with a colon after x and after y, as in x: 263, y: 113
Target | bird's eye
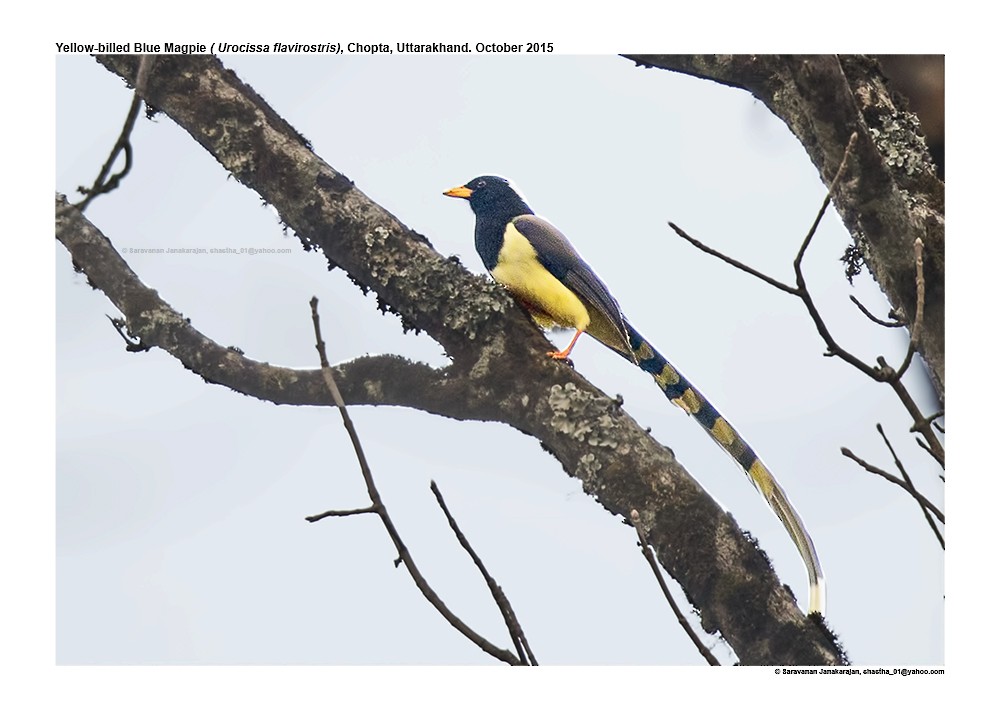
x: 481, y: 183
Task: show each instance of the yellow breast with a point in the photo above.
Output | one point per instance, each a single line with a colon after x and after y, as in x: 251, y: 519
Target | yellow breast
x: 547, y: 299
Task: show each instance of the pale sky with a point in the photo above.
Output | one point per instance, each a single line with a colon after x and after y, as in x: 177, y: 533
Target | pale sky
x: 180, y: 505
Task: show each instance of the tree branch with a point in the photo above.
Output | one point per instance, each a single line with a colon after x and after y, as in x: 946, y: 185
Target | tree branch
x: 894, y: 194
x: 499, y: 368
x: 378, y: 507
x: 379, y: 380
x: 881, y: 373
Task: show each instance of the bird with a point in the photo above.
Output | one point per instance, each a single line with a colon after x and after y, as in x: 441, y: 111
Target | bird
x: 538, y: 265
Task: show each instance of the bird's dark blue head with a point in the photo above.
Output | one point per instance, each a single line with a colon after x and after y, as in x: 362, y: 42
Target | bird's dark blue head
x: 492, y: 195
x: 495, y: 204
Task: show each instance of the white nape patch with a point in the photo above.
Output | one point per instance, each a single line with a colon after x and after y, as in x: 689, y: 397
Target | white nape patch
x: 516, y: 189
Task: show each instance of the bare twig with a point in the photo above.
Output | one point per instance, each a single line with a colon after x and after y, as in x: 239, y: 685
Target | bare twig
x: 102, y: 185
x: 378, y: 507
x: 924, y: 445
x: 881, y: 372
x: 870, y: 316
x: 735, y: 263
x: 800, y: 290
x: 924, y: 502
x: 343, y: 513
x: 826, y: 203
x: 833, y: 348
x: 647, y: 552
x: 909, y: 483
x: 513, y: 626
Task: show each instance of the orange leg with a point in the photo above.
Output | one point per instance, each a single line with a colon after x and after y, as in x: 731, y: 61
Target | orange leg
x: 564, y: 354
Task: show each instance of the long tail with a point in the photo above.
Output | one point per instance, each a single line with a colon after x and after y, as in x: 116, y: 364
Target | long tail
x: 686, y: 396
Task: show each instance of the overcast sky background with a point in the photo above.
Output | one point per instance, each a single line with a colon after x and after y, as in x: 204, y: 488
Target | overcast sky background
x: 180, y: 536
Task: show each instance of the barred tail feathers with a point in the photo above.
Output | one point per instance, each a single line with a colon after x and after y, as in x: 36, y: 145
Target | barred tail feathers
x: 683, y: 394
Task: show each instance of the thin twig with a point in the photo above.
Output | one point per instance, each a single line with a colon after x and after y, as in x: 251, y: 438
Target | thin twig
x: 379, y: 508
x: 826, y: 203
x: 880, y: 373
x: 833, y: 348
x: 895, y: 481
x: 513, y: 626
x: 102, y: 184
x: 343, y: 513
x: 924, y: 445
x: 735, y: 263
x: 647, y: 552
x: 800, y: 290
x: 123, y: 144
x: 870, y: 316
x: 909, y: 483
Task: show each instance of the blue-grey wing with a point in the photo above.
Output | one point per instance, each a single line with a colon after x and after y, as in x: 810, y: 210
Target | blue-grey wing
x: 561, y: 259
